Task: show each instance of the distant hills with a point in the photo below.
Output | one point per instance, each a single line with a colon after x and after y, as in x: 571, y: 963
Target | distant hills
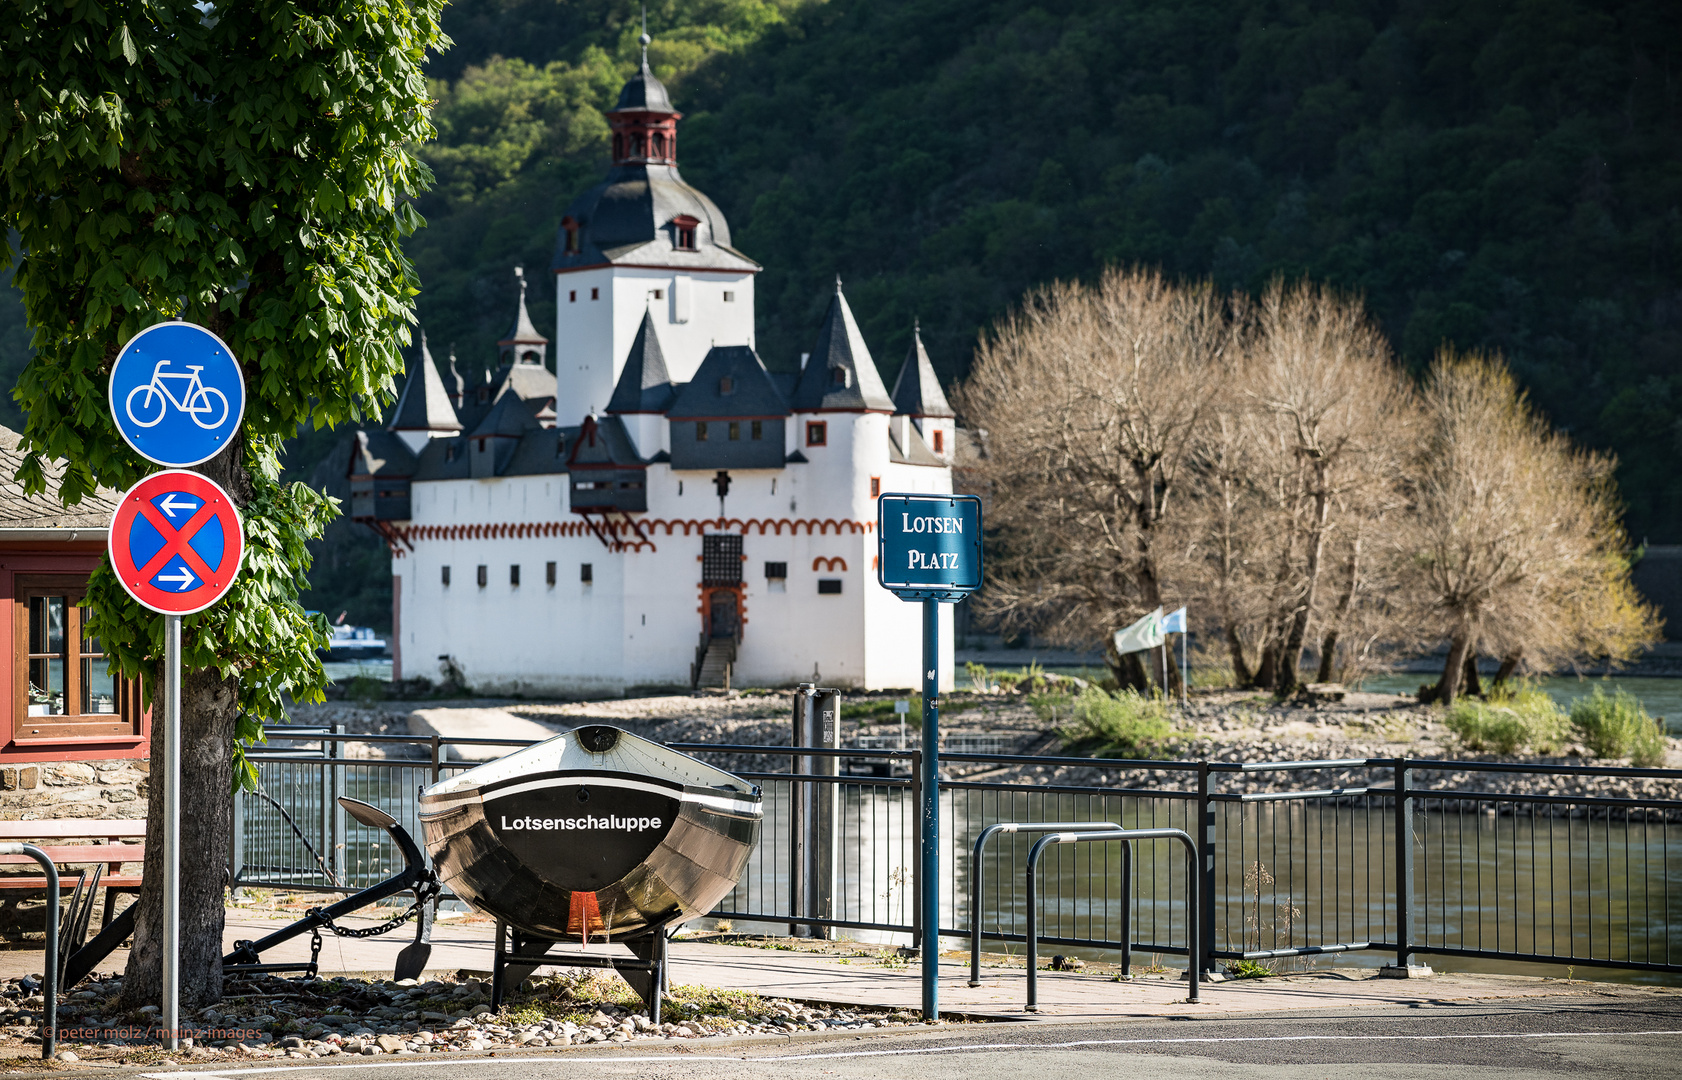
x: 1499, y: 175
x: 1504, y: 176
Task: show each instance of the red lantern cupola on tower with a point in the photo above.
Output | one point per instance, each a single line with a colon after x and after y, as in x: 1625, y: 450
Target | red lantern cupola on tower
x: 643, y: 121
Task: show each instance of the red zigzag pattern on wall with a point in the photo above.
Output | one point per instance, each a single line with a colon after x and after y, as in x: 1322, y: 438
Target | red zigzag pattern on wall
x: 623, y: 529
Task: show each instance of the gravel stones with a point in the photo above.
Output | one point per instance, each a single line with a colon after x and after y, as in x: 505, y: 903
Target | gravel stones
x: 302, y: 1019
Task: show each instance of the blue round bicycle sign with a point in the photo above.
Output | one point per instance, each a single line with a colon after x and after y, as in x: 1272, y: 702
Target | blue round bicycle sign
x: 177, y: 394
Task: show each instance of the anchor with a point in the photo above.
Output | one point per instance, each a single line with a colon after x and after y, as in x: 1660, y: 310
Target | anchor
x: 246, y: 958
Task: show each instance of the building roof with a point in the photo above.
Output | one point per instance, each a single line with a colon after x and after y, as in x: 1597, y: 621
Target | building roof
x: 44, y: 511
x: 627, y: 220
x: 840, y: 373
x: 522, y: 332
x: 424, y: 404
x: 377, y: 452
x: 542, y: 452
x: 644, y: 384
x: 917, y: 391
x: 602, y: 441
x: 528, y: 382
x: 731, y: 382
x: 915, y: 451
x: 510, y: 417
x: 644, y: 93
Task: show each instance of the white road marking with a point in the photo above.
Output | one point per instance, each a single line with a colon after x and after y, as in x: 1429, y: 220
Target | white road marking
x: 645, y: 1059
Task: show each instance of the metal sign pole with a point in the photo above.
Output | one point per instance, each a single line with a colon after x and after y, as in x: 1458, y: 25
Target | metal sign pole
x: 172, y: 831
x: 930, y: 873
x: 928, y: 548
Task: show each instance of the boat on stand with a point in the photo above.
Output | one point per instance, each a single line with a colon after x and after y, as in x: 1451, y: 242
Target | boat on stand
x: 598, y: 835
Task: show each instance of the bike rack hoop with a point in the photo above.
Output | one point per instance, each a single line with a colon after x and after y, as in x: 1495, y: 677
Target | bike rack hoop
x: 1039, y: 827
x: 1193, y: 891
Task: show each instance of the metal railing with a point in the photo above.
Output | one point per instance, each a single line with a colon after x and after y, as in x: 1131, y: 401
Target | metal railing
x: 1298, y: 859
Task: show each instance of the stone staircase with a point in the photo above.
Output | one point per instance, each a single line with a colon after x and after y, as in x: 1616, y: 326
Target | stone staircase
x: 712, y: 668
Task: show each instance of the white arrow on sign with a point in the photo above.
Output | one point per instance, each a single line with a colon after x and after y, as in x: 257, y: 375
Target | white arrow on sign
x: 184, y: 576
x: 169, y: 506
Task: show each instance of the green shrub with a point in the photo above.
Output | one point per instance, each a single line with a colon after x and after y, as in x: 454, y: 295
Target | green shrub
x: 1618, y: 726
x: 365, y: 690
x: 1516, y: 717
x: 1126, y: 724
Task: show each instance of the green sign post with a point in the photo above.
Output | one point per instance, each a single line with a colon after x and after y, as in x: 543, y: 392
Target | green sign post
x: 929, y: 549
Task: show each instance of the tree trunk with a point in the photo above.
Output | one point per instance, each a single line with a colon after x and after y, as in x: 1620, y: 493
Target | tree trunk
x: 1509, y: 664
x: 1470, y: 684
x: 1289, y: 676
x: 1137, y: 678
x: 1448, y: 687
x: 1328, y: 645
x: 1129, y: 673
x: 209, y: 707
x: 1241, y: 673
x: 1268, y: 665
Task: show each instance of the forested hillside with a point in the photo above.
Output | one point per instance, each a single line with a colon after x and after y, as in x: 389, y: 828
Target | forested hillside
x: 1493, y: 174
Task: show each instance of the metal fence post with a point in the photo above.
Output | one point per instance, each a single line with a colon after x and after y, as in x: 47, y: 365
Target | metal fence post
x: 236, y: 843
x: 337, y: 860
x: 799, y: 815
x: 1404, y: 865
x: 917, y: 846
x: 1205, y: 834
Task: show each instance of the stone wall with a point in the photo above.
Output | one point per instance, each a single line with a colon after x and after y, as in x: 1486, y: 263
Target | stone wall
x: 35, y: 791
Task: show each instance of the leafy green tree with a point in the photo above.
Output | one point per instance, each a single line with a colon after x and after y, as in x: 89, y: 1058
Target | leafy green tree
x: 246, y: 167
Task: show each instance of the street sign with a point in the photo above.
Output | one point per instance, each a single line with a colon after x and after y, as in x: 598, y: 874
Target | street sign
x: 176, y: 542
x: 177, y: 394
x: 929, y: 546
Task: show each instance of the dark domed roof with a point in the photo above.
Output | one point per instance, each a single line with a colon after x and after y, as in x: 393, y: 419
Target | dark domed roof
x: 644, y: 93
x: 628, y: 219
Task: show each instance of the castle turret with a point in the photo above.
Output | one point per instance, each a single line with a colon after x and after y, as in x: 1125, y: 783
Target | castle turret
x: 423, y: 410
x: 644, y: 243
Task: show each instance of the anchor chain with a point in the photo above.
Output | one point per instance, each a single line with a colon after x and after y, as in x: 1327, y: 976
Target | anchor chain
x: 423, y: 893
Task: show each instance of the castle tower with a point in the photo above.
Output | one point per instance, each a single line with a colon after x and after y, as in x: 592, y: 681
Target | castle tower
x: 643, y: 242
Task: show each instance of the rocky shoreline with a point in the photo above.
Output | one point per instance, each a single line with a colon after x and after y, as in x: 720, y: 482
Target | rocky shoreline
x: 1230, y: 727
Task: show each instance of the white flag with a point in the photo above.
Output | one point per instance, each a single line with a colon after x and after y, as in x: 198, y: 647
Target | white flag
x: 1142, y: 635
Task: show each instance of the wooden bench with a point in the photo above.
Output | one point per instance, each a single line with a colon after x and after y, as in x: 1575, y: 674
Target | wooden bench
x: 112, y: 842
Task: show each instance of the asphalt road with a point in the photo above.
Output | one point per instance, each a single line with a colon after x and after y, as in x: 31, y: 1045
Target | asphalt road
x: 1571, y: 1037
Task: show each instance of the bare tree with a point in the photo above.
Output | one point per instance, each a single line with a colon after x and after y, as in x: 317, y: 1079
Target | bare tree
x: 1092, y: 399
x: 1330, y: 399
x: 1513, y: 543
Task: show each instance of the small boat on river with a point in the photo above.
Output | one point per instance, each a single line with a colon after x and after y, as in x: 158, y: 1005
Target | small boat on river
x: 595, y: 833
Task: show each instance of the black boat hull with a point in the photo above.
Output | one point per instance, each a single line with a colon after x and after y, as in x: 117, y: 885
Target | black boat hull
x: 573, y: 854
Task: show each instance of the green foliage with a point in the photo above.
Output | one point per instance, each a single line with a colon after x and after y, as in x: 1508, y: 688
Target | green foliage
x: 239, y: 166
x: 1124, y: 724
x: 1248, y: 969
x: 1617, y: 727
x: 1494, y: 175
x: 1515, y: 717
x: 521, y: 133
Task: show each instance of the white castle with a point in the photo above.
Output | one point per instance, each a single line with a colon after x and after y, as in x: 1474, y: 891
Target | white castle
x: 662, y: 510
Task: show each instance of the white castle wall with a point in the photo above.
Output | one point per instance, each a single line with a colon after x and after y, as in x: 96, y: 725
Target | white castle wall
x: 639, y: 621
x: 593, y: 337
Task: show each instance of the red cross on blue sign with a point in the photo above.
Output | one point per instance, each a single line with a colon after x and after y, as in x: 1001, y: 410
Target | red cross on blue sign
x: 176, y: 542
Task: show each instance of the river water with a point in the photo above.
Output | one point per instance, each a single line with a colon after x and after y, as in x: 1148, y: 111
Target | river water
x: 1287, y: 875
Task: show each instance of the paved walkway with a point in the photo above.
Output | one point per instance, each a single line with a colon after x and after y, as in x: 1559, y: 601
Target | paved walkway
x: 1066, y: 997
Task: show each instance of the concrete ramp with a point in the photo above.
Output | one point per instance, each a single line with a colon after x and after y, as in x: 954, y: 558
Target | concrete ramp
x: 478, y: 724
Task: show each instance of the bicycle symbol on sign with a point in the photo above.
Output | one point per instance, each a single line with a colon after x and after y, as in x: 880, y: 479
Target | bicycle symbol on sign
x: 198, y: 400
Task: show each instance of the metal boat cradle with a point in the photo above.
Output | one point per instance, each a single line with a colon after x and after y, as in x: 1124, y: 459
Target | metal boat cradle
x: 598, y: 834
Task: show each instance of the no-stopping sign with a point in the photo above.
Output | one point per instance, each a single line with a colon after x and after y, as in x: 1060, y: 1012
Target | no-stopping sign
x: 176, y: 542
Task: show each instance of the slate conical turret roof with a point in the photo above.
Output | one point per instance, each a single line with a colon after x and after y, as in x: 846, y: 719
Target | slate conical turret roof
x: 424, y: 404
x: 841, y: 374
x: 917, y: 392
x: 522, y: 332
x: 644, y: 384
